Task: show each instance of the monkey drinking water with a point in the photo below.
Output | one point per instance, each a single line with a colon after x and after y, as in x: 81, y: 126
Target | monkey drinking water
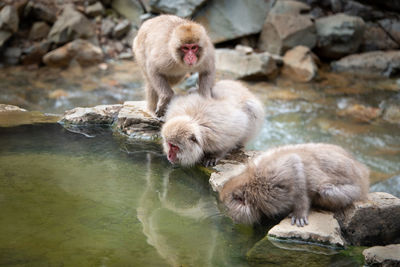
x: 292, y: 178
x: 166, y: 48
x: 205, y: 129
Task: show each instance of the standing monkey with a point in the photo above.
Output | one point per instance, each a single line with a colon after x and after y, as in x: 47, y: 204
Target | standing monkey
x: 166, y: 48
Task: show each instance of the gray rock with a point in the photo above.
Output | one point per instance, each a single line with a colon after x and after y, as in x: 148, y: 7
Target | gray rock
x: 4, y: 36
x: 129, y: 9
x: 128, y: 39
x: 39, y: 31
x: 40, y: 11
x: 228, y: 20
x: 9, y: 19
x: 383, y: 255
x: 322, y: 228
x: 300, y: 64
x: 392, y: 114
x: 103, y: 114
x: 391, y: 185
x: 354, y: 8
x: 121, y: 29
x: 95, y: 10
x: 190, y: 83
x: 232, y: 165
x: 107, y: 27
x: 338, y: 35
x: 376, y: 63
x: 243, y: 66
x: 392, y: 27
x: 135, y: 121
x: 12, y: 55
x: 181, y: 8
x: 389, y: 5
x: 373, y: 222
x: 289, y: 7
x: 8, y: 108
x: 70, y: 26
x: 79, y: 50
x: 375, y: 38
x: 282, y: 32
x: 34, y: 53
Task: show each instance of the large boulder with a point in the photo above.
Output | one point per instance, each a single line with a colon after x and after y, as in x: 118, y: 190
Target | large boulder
x: 39, y: 31
x: 391, y: 26
x: 338, y: 35
x: 9, y: 19
x: 282, y: 32
x: 300, y: 64
x: 289, y: 7
x: 228, y: 20
x: 38, y: 10
x: 4, y: 36
x: 129, y: 9
x: 383, y: 255
x: 181, y: 8
x: 84, y: 52
x: 373, y: 222
x: 95, y: 9
x: 71, y: 25
x: 246, y: 66
x: 322, y: 228
x: 376, y: 63
x: 375, y: 38
x: 34, y: 53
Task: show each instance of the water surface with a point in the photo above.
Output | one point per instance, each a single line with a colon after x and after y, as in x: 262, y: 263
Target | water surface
x: 69, y: 200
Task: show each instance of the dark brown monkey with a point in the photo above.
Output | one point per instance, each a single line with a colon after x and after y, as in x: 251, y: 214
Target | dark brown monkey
x: 166, y: 48
x: 292, y: 178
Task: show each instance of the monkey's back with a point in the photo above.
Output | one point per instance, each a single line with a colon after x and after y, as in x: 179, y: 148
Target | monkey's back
x: 222, y: 124
x: 323, y: 163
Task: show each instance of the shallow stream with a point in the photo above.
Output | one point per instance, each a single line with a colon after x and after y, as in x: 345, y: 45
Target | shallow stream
x: 67, y: 199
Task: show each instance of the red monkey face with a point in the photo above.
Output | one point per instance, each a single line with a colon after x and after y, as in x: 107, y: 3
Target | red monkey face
x: 172, y: 151
x: 190, y: 52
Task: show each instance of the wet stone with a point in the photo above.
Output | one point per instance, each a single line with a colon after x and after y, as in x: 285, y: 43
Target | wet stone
x: 103, y: 114
x: 373, y: 222
x: 322, y: 228
x: 135, y: 121
x: 383, y: 255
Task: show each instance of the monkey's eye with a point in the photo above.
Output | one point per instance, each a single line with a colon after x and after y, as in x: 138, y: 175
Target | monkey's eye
x: 193, y: 138
x: 238, y: 197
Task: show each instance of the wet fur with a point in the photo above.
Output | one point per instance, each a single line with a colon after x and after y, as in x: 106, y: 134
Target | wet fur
x: 229, y: 120
x: 157, y: 51
x: 292, y: 178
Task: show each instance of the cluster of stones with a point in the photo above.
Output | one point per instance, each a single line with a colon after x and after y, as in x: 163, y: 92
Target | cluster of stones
x: 359, y: 37
x: 57, y: 33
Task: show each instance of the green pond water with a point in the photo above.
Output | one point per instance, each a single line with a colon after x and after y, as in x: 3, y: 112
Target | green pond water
x: 70, y: 200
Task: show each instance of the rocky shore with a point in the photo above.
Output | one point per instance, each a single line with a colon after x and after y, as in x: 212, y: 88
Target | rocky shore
x: 275, y: 36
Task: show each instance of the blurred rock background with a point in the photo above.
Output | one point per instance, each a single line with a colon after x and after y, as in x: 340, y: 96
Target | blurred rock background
x: 287, y: 36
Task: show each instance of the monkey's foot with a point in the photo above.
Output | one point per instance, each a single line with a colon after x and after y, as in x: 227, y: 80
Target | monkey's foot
x: 300, y: 221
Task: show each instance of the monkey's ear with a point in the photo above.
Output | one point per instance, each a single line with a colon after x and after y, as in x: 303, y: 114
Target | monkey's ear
x: 193, y: 138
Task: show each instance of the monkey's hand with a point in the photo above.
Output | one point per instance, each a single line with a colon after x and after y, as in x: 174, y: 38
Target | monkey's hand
x: 299, y: 219
x: 162, y: 106
x: 210, y: 160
